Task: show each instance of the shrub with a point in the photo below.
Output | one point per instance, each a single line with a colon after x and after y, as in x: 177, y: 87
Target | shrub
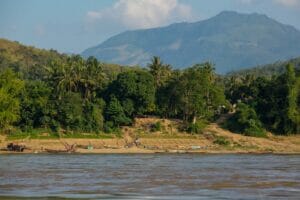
x: 108, y: 127
x: 245, y: 121
x: 54, y: 126
x: 197, y: 127
x: 221, y: 140
x: 255, y: 129
x: 156, y: 127
x: 115, y: 113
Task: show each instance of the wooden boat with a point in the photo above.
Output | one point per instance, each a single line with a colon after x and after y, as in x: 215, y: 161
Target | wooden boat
x: 15, y: 147
x: 68, y: 149
x: 56, y: 151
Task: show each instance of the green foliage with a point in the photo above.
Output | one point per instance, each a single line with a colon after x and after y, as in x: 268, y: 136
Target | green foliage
x: 38, y: 133
x: 70, y: 111
x: 197, y: 127
x: 114, y: 113
x: 255, y: 129
x: 10, y: 89
x: 245, y: 121
x: 93, y: 116
x: 35, y: 105
x: 199, y: 94
x: 42, y: 89
x: 135, y: 90
x: 268, y: 70
x: 277, y: 103
x: 128, y: 106
x: 293, y: 84
x: 275, y: 100
x: 77, y: 75
x: 167, y: 97
x: 156, y: 127
x: 161, y: 72
x: 29, y: 61
x: 221, y: 140
x: 109, y: 127
x: 88, y: 136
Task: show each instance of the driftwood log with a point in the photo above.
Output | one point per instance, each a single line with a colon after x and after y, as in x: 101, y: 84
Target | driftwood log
x: 68, y: 148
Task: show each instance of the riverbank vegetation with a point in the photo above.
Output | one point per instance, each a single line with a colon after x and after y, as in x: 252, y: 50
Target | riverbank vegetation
x: 68, y: 94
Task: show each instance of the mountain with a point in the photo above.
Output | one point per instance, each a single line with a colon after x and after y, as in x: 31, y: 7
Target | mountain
x: 31, y: 60
x: 268, y: 70
x: 230, y: 40
x: 21, y: 57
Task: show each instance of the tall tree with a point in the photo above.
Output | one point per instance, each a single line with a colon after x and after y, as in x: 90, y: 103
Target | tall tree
x: 92, y: 78
x: 35, y: 108
x: 136, y: 87
x: 114, y: 113
x: 200, y: 94
x: 160, y: 71
x: 10, y: 89
x: 167, y: 97
x: 293, y: 84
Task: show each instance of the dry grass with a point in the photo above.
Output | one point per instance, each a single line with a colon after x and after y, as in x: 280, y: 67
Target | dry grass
x: 168, y: 138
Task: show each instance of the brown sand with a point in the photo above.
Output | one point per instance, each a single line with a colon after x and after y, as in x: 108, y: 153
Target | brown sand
x: 169, y: 140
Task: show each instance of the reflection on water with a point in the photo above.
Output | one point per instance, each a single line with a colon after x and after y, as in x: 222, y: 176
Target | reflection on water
x: 150, y: 176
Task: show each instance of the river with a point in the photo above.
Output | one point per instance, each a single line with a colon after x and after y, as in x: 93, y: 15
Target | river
x: 155, y: 176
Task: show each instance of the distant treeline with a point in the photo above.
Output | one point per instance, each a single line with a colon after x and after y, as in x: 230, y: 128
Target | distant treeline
x: 45, y: 89
x: 268, y: 70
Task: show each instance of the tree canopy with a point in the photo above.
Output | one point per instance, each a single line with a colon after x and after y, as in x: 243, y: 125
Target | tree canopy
x: 45, y: 89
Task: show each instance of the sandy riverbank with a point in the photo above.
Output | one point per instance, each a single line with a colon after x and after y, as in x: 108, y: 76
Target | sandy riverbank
x: 283, y: 145
x: 168, y: 140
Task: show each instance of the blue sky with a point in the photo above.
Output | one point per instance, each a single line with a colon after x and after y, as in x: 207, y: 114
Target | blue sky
x: 74, y: 25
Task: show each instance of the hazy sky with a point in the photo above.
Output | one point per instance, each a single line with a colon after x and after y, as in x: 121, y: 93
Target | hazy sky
x: 74, y: 25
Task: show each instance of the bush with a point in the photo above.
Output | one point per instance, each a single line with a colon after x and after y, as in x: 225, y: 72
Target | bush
x: 220, y: 140
x: 255, y: 130
x: 245, y: 121
x: 108, y: 127
x: 40, y: 133
x: 54, y: 126
x: 156, y: 127
x: 197, y: 127
x: 115, y: 113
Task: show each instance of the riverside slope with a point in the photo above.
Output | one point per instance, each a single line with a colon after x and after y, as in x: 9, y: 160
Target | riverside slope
x: 168, y: 140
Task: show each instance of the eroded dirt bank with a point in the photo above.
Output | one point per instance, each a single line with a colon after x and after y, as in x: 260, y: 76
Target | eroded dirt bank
x: 140, y: 138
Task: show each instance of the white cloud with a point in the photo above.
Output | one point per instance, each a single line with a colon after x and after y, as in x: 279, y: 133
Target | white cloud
x: 288, y: 3
x: 143, y: 13
x: 245, y: 1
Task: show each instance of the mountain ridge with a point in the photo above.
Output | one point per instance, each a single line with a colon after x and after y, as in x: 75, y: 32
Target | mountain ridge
x: 267, y: 70
x: 231, y: 40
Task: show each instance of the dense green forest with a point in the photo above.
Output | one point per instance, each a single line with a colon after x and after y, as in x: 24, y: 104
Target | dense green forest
x: 269, y: 70
x: 45, y: 89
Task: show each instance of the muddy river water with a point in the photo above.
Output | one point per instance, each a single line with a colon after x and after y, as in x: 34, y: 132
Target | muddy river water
x: 155, y: 176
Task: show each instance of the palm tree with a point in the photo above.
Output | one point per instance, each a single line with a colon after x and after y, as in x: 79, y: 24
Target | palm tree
x: 92, y: 78
x: 62, y: 76
x: 67, y: 80
x: 161, y: 72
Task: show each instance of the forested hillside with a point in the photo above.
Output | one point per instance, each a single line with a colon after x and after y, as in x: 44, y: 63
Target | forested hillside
x: 31, y: 61
x: 267, y: 70
x: 42, y: 89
